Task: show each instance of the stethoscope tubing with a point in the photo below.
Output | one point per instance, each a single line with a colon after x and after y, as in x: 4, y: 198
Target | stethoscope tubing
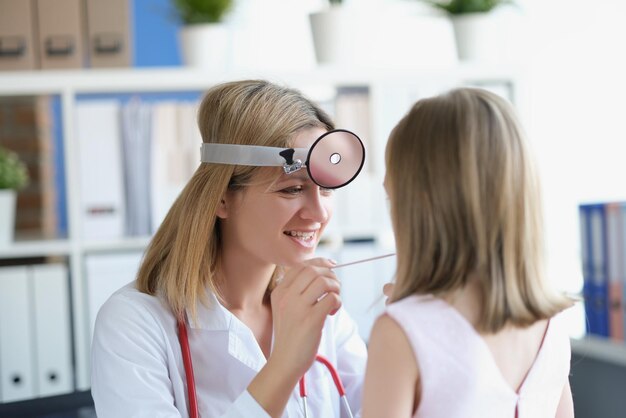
x: 183, y: 339
x: 338, y: 384
x: 188, y: 364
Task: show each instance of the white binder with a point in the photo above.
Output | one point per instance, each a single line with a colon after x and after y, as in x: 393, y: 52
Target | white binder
x: 101, y: 182
x: 106, y: 273
x: 16, y: 325
x: 166, y: 180
x: 52, y: 329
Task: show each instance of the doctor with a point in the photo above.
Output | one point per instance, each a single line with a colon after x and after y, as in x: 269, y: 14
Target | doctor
x: 231, y: 267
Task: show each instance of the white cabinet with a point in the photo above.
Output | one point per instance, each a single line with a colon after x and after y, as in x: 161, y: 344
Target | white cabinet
x: 390, y: 94
x: 35, y: 341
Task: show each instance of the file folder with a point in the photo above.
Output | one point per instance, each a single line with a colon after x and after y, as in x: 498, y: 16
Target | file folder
x: 615, y: 251
x: 17, y: 35
x: 52, y: 329
x: 595, y: 268
x: 100, y: 158
x: 16, y: 325
x: 108, y: 32
x: 61, y: 33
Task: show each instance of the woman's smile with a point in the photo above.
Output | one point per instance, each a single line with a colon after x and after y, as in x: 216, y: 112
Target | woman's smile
x: 306, y: 239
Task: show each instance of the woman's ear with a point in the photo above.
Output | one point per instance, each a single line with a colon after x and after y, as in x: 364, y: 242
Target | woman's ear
x: 222, y: 208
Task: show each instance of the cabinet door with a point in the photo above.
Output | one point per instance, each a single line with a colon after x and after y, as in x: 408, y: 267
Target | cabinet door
x: 52, y: 329
x: 16, y: 346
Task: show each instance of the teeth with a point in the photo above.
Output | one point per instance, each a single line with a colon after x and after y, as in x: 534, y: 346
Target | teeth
x: 305, y: 235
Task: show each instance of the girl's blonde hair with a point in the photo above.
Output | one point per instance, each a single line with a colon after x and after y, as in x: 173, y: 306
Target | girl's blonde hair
x: 466, y: 202
x: 180, y: 261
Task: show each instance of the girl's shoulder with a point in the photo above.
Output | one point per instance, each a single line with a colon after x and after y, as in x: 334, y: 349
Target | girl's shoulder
x: 416, y: 304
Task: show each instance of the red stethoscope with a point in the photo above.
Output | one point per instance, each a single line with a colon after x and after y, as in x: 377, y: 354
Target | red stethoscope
x: 191, y: 383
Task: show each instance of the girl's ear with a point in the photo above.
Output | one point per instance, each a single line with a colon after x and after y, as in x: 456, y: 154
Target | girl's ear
x: 222, y: 208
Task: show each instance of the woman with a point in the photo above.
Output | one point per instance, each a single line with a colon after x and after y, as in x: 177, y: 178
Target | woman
x: 231, y: 263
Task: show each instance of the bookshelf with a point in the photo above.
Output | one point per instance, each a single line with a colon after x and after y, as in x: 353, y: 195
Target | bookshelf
x: 383, y: 85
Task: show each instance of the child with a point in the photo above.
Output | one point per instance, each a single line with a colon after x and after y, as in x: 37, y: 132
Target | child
x: 472, y: 329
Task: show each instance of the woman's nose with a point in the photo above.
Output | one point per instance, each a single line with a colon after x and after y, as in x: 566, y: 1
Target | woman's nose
x: 316, y: 207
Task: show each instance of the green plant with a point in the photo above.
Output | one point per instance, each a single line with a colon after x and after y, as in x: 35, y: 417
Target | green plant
x: 202, y: 11
x: 13, y: 174
x: 457, y: 7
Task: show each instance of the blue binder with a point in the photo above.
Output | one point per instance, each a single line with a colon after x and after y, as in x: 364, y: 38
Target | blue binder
x: 595, y: 268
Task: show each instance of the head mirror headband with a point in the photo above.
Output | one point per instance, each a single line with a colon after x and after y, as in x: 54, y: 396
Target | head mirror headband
x: 333, y: 161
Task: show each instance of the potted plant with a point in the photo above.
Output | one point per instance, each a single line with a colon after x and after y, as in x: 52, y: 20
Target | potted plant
x: 204, y: 37
x: 13, y: 176
x: 330, y: 30
x: 479, y: 34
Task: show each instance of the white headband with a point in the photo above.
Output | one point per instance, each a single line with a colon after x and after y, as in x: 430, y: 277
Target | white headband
x: 253, y: 155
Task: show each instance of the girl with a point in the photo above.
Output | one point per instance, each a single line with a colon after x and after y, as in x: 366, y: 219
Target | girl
x: 209, y: 277
x: 472, y: 330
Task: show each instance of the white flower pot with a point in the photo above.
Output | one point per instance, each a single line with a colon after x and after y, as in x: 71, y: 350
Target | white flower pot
x: 331, y: 32
x: 7, y: 216
x: 206, y: 45
x: 479, y: 37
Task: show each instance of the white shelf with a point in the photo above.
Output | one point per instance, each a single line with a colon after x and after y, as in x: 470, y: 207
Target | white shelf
x: 122, y: 244
x: 35, y: 249
x: 601, y: 349
x: 186, y: 79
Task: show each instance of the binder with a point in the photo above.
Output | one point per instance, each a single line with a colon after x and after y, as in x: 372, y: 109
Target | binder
x: 596, y: 282
x: 16, y: 325
x: 17, y: 35
x: 106, y: 273
x: 108, y: 32
x: 583, y: 218
x: 52, y: 329
x: 623, y: 266
x: 60, y: 40
x: 166, y: 182
x: 615, y: 253
x: 136, y: 138
x: 100, y: 159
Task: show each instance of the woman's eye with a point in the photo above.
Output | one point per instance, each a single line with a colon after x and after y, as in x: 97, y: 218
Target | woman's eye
x: 292, y: 190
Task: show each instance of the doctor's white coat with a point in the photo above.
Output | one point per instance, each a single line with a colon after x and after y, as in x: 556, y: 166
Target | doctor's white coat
x: 137, y: 367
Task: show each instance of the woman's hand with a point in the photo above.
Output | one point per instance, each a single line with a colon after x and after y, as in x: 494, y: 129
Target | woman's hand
x: 305, y: 296
x: 301, y: 301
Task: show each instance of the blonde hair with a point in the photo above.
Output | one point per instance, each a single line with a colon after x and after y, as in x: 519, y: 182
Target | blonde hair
x: 181, y: 260
x: 466, y: 202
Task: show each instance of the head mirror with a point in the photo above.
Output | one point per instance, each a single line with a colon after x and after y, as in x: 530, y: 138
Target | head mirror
x: 333, y: 161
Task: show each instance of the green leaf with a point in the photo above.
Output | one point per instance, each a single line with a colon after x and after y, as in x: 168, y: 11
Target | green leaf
x: 457, y: 7
x: 202, y: 11
x: 13, y: 173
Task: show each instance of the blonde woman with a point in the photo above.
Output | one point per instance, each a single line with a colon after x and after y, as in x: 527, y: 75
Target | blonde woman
x: 472, y: 330
x: 207, y: 328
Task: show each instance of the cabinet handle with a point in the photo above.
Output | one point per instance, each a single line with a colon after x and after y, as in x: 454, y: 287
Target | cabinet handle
x: 16, y: 379
x: 52, y: 376
x: 61, y: 45
x: 107, y: 43
x: 12, y: 46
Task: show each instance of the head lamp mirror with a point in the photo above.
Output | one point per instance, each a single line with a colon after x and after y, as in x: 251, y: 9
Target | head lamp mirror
x: 332, y: 161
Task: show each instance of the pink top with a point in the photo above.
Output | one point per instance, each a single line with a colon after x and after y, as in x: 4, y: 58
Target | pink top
x: 459, y: 375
